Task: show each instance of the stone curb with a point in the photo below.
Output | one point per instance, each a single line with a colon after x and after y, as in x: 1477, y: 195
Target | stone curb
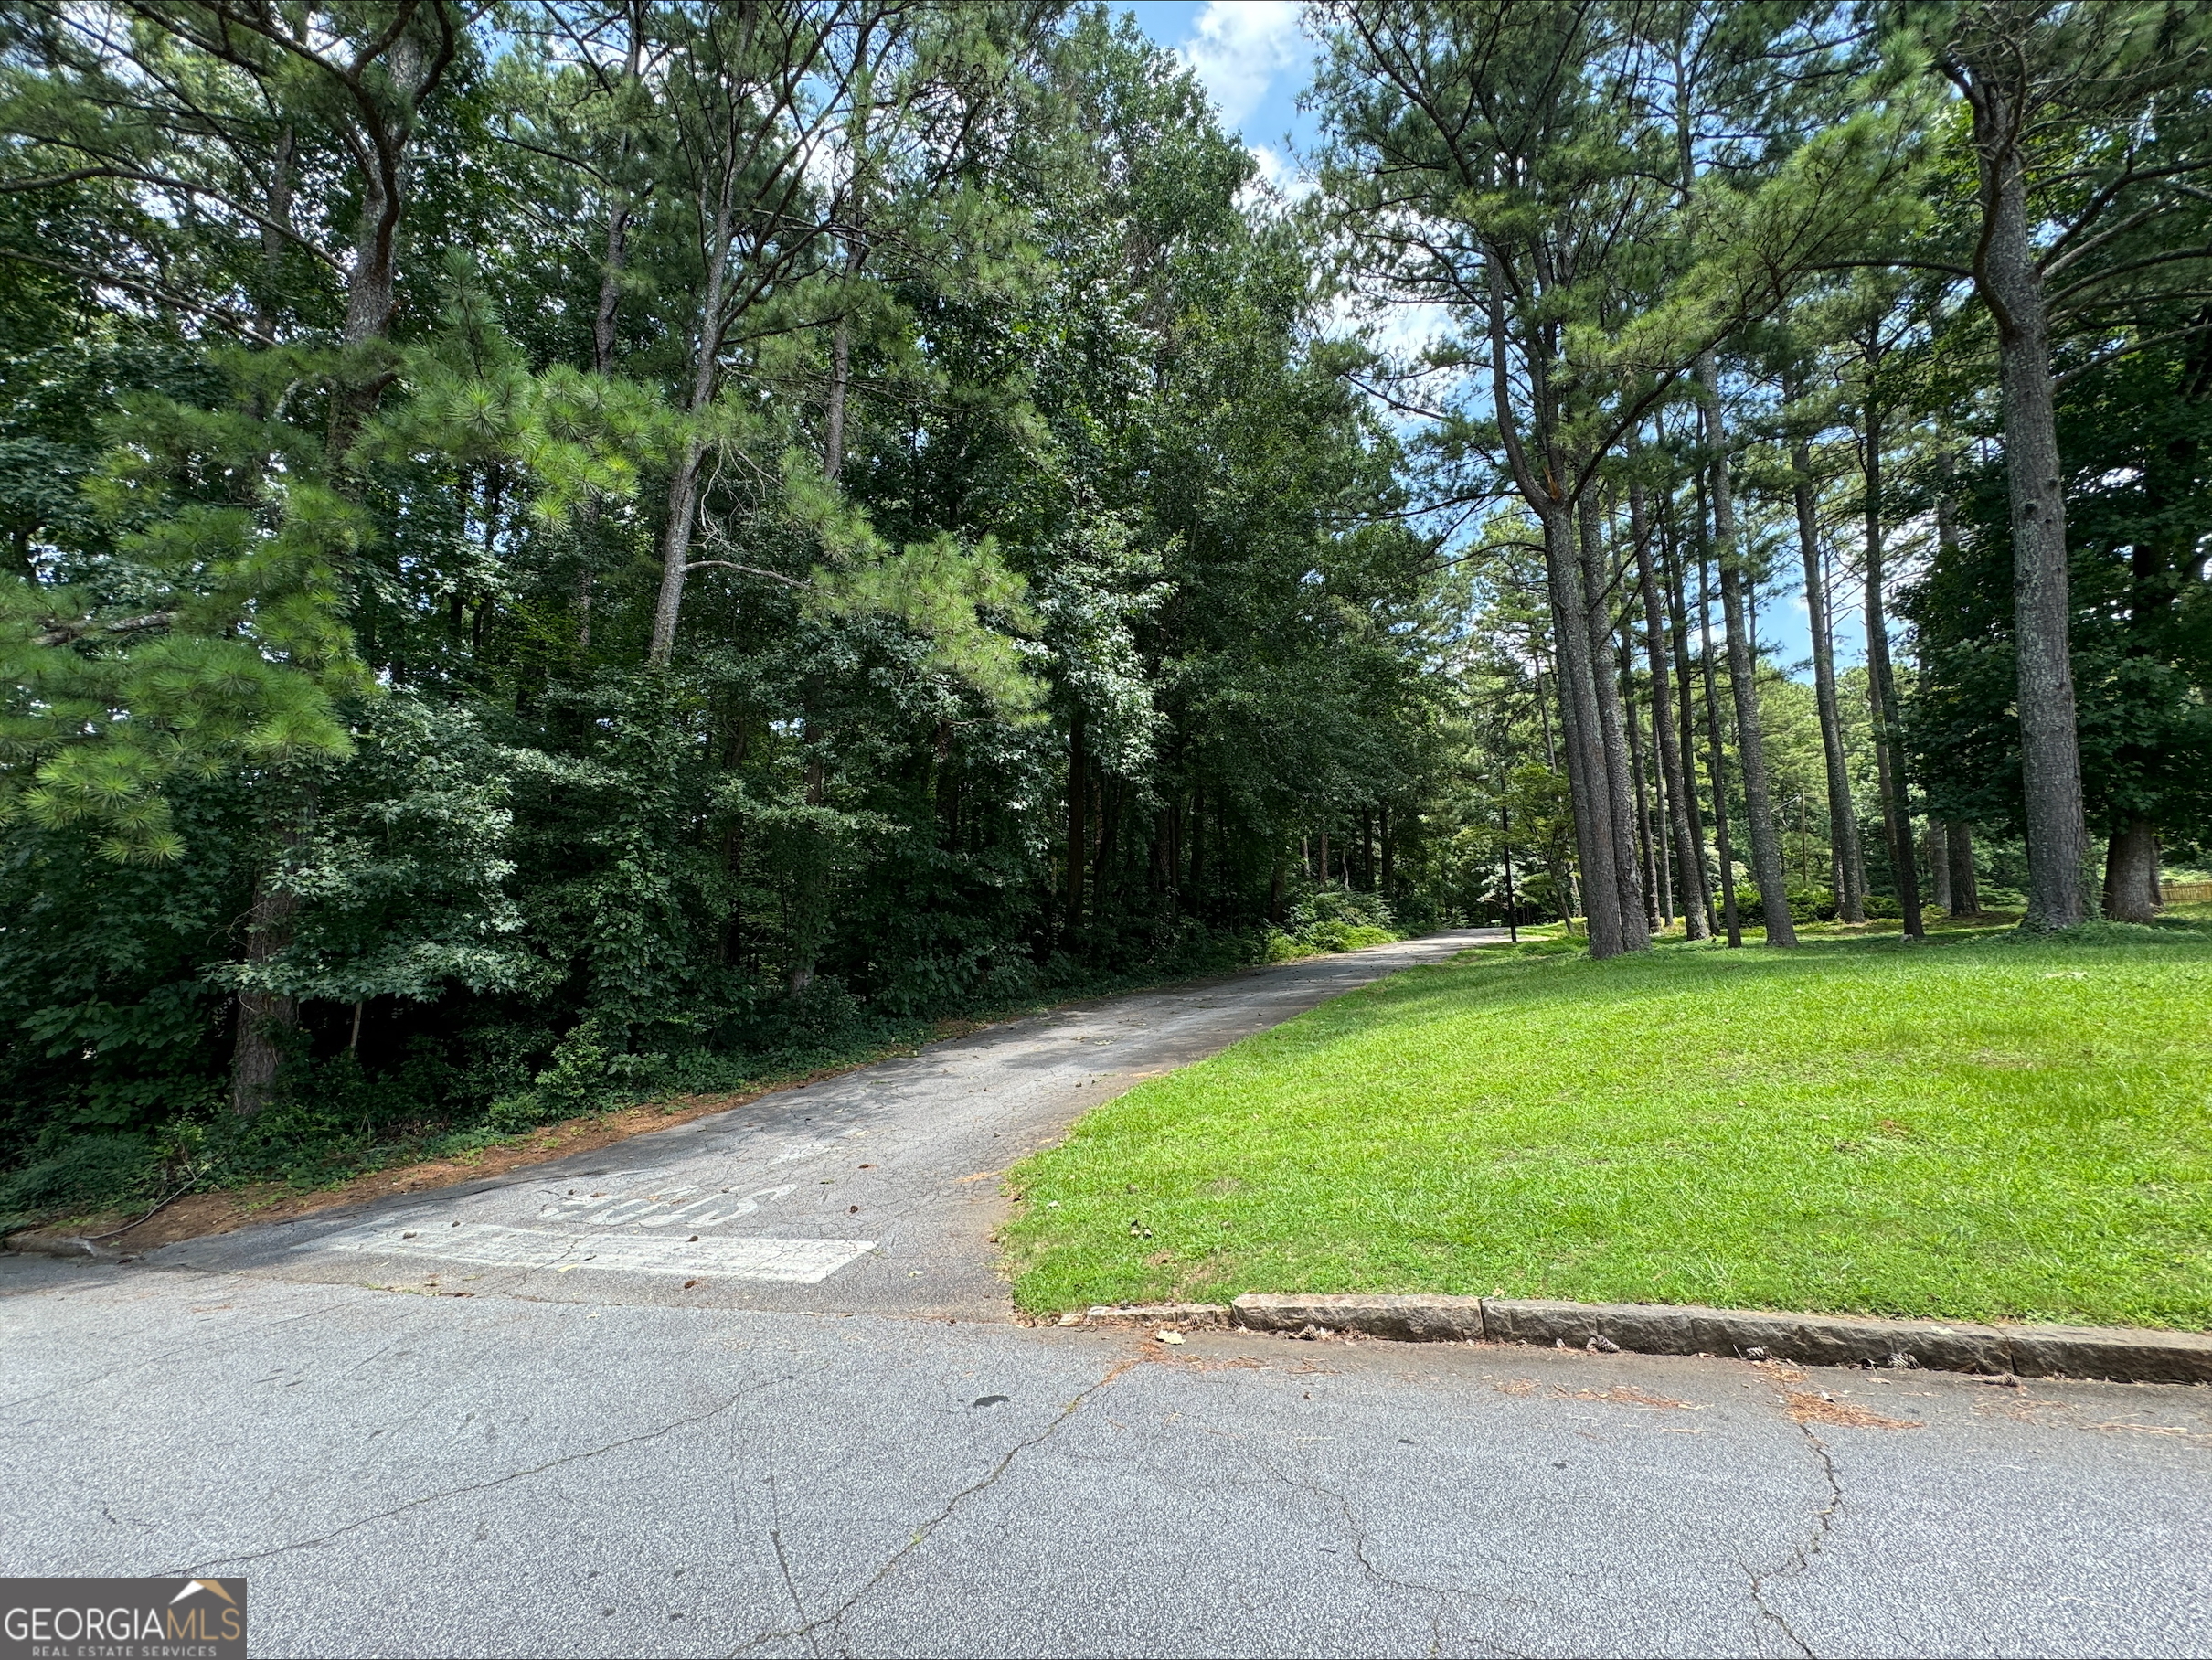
x: 1176, y: 1316
x: 1405, y: 1319
x: 2117, y: 1354
x: 34, y: 1244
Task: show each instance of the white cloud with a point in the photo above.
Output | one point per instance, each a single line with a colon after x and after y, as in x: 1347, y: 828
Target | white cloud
x: 1402, y: 328
x: 1280, y: 176
x: 1402, y: 331
x: 1239, y: 47
x: 1406, y: 331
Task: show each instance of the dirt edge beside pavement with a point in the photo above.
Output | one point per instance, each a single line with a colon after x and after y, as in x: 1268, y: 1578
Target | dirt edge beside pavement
x: 225, y: 1210
x: 112, y: 1235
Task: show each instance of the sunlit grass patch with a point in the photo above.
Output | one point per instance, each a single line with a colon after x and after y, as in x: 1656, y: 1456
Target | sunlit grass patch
x: 1979, y: 1127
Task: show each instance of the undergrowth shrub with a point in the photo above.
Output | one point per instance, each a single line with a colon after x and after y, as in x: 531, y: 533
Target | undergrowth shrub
x: 1815, y: 904
x: 1333, y: 919
x: 89, y: 1172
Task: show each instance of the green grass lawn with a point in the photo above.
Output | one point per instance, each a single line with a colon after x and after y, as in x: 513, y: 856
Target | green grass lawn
x: 1979, y: 1127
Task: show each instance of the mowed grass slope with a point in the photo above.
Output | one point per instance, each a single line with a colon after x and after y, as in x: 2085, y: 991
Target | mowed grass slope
x: 1980, y: 1127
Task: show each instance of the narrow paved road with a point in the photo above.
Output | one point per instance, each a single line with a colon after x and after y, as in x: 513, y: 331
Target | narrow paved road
x: 873, y: 1191
x: 835, y: 1442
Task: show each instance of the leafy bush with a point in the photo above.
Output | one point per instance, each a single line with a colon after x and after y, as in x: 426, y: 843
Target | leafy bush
x: 580, y: 1078
x: 514, y: 1114
x: 91, y: 1171
x: 1806, y: 905
x: 1333, y: 919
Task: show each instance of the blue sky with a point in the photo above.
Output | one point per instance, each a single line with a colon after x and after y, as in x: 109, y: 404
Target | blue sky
x: 1255, y: 60
x: 1252, y: 57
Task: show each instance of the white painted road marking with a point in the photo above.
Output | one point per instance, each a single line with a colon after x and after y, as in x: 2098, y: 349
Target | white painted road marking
x: 792, y: 1261
x: 711, y: 1211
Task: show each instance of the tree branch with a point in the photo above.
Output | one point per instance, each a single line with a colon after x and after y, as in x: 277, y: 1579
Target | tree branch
x: 62, y: 633
x: 751, y: 570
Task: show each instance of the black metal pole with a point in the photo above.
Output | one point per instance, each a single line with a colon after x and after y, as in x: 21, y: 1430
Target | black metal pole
x: 1512, y: 925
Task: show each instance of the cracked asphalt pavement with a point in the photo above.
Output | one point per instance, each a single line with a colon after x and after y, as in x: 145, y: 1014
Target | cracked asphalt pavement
x: 818, y: 1451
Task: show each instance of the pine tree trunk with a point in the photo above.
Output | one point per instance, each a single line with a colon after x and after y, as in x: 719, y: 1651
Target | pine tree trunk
x: 265, y: 1019
x: 1640, y: 782
x: 603, y: 333
x: 1938, y: 869
x: 1587, y: 780
x: 1551, y: 751
x: 1958, y: 853
x: 1605, y: 686
x: 1662, y: 831
x: 675, y: 550
x: 279, y: 210
x: 1956, y: 850
x: 1743, y: 681
x: 1842, y: 816
x: 1672, y: 829
x: 1700, y: 919
x: 856, y: 255
x: 684, y: 484
x: 1881, y: 693
x: 1717, y: 764
x: 2131, y: 873
x: 841, y: 375
x: 616, y: 257
x: 2011, y: 285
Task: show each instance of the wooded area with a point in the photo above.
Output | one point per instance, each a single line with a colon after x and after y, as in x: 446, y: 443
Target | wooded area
x: 562, y: 549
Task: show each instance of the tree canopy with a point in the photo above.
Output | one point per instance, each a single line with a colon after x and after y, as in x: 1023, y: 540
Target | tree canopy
x: 579, y: 544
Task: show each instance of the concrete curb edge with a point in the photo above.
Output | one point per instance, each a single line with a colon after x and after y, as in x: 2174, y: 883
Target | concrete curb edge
x: 2115, y: 1354
x: 36, y: 1243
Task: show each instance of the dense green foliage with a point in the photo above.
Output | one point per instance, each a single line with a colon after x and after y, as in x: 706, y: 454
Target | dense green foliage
x: 2133, y: 438
x: 1032, y: 519
x: 600, y: 547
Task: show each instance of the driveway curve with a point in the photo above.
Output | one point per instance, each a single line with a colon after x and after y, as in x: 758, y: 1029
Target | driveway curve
x: 876, y: 1191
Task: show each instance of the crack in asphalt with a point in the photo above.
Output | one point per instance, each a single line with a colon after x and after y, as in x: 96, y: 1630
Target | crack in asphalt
x: 498, y: 1481
x: 1800, y: 1559
x: 806, y: 1627
x: 775, y: 1537
x: 139, y: 1364
x: 835, y: 1618
x: 1356, y: 1532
